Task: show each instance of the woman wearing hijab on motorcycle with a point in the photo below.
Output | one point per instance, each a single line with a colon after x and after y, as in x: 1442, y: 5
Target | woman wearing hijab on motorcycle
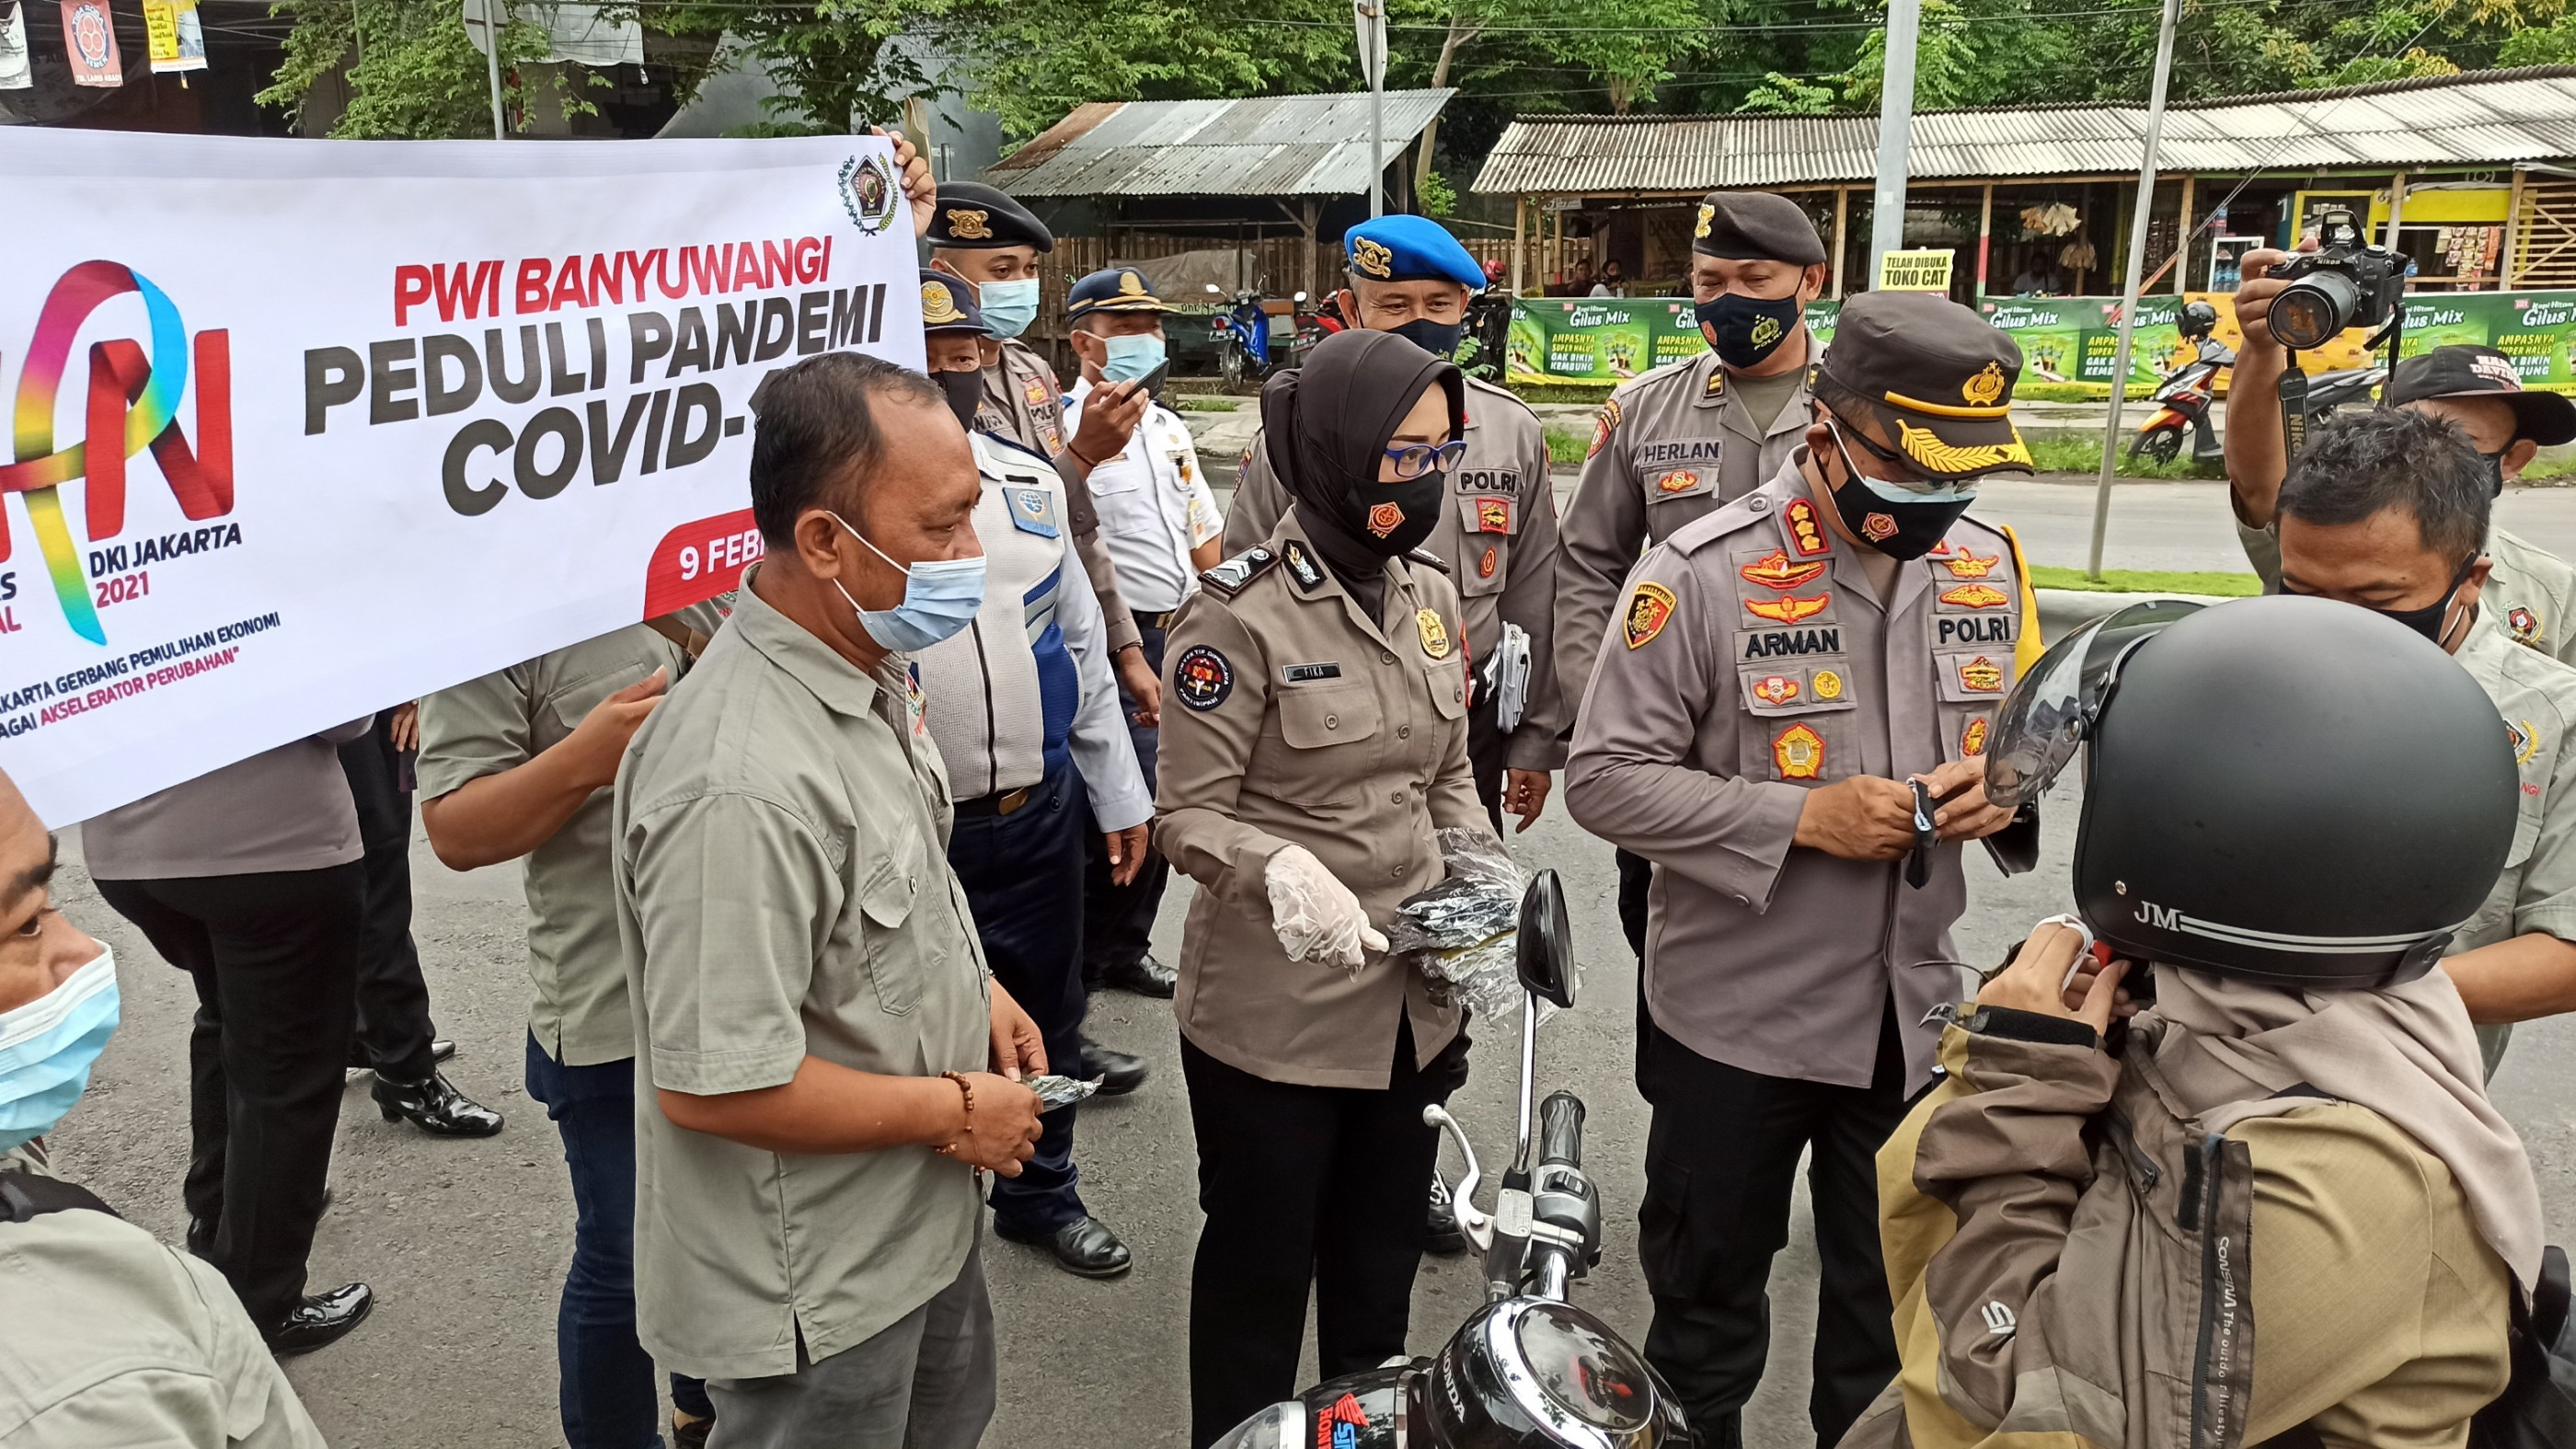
x: 1318, y: 743
x: 2275, y: 1207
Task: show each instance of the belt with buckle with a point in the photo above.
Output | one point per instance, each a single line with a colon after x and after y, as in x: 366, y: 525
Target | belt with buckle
x: 1163, y: 620
x: 1008, y: 802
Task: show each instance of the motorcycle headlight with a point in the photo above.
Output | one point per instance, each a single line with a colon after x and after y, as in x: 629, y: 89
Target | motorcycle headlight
x: 1281, y: 1426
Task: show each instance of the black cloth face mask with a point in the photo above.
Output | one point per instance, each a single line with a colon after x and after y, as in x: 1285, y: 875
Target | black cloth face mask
x: 2427, y: 621
x: 1895, y: 520
x: 1746, y: 330
x: 1437, y: 338
x: 965, y: 392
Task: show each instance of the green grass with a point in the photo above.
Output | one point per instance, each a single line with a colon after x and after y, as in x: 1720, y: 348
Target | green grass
x: 2147, y: 581
x: 1205, y: 404
x: 2063, y: 454
x: 1562, y: 392
x: 1566, y: 446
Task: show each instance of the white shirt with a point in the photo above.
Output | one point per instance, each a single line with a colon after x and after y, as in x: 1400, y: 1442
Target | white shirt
x: 1154, y: 508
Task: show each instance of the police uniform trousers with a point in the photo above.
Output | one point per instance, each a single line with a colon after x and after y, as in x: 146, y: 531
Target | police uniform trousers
x: 1636, y: 878
x: 1022, y: 872
x: 1721, y: 1156
x: 273, y: 955
x: 1487, y: 749
x: 1118, y: 920
x: 394, y: 1028
x: 1304, y: 1185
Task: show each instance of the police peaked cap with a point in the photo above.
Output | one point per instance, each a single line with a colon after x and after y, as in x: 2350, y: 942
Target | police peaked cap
x: 948, y: 305
x: 1409, y: 249
x: 1937, y: 378
x: 971, y: 216
x: 1111, y: 289
x: 1756, y: 226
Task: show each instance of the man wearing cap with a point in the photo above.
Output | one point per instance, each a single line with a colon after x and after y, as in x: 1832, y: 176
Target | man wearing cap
x: 1498, y: 535
x: 1162, y: 528
x: 2477, y: 389
x: 991, y: 242
x: 1778, y: 672
x: 1674, y: 443
x: 1025, y: 714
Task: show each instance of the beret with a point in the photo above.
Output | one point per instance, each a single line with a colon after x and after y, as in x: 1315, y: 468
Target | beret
x: 1409, y: 249
x: 1751, y: 225
x: 970, y: 216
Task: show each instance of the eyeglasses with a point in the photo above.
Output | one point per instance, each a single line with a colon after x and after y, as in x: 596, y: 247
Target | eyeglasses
x: 1415, y: 459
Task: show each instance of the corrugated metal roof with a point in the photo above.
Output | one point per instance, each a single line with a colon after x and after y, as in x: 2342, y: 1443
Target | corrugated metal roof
x: 2492, y: 117
x: 1255, y: 146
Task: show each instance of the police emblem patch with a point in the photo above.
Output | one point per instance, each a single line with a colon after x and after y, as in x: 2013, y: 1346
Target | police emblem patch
x: 1385, y: 519
x: 1966, y: 565
x: 1032, y: 511
x: 1485, y: 566
x: 1774, y: 571
x: 1435, y: 635
x: 1775, y: 689
x: 1302, y: 566
x: 1680, y: 480
x: 1972, y: 740
x: 1699, y: 224
x: 1650, y: 608
x: 1788, y: 610
x: 966, y: 225
x: 1981, y: 675
x: 1976, y: 596
x: 1983, y: 389
x: 1827, y: 684
x: 1766, y: 332
x: 2525, y: 738
x: 1035, y: 392
x: 1799, y: 752
x: 938, y: 305
x: 2524, y: 623
x: 1053, y: 439
x: 1202, y: 678
x: 1806, y: 532
x: 1878, y: 528
x: 1493, y: 515
x: 1371, y: 258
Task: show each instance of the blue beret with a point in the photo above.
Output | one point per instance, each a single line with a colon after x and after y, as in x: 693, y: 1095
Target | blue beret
x: 1112, y: 289
x: 948, y: 305
x: 1409, y: 249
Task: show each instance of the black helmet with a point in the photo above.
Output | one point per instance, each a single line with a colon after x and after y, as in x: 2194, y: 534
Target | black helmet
x: 1533, y: 1373
x: 2197, y: 319
x: 2285, y: 790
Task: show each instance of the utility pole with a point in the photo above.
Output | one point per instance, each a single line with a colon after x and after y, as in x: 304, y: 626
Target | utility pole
x: 494, y: 15
x: 1370, y: 16
x: 1895, y: 129
x: 2146, y: 205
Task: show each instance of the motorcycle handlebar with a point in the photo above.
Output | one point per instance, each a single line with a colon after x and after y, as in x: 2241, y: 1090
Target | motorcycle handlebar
x: 1560, y: 1129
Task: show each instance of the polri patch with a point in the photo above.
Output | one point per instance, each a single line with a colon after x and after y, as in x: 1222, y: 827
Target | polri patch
x: 1035, y: 392
x: 1799, y: 752
x: 2524, y: 623
x: 1202, y: 678
x: 1966, y: 565
x: 1435, y: 634
x: 1493, y: 515
x: 1309, y: 673
x: 1774, y: 571
x: 1972, y: 740
x: 1976, y: 596
x: 1981, y: 675
x: 1033, y: 511
x: 1788, y: 609
x: 1485, y: 566
x: 1679, y: 480
x: 1650, y: 608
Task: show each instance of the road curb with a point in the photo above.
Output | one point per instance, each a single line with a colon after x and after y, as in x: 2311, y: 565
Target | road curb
x: 2061, y: 610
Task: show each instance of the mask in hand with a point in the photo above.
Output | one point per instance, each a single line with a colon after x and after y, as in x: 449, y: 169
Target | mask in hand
x: 1009, y: 307
x: 48, y: 1046
x: 940, y: 597
x: 965, y: 396
x: 1437, y: 338
x: 1746, y: 330
x: 1897, y: 521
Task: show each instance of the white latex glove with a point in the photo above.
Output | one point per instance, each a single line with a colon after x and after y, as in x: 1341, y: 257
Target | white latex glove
x: 1316, y: 916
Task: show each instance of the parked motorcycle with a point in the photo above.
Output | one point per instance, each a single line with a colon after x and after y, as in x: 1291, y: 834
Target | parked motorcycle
x: 1528, y: 1370
x: 2184, y: 399
x: 1489, y: 330
x: 1242, y: 337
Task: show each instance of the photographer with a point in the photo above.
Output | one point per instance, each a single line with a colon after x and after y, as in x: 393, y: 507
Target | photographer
x: 2086, y: 1223
x: 2474, y: 388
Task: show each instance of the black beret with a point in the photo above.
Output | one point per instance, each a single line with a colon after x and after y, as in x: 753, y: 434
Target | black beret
x: 971, y: 216
x: 1755, y: 225
x: 1937, y: 378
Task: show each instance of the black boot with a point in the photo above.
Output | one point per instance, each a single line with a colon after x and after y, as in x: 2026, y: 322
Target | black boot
x: 1118, y: 1072
x: 1146, y: 976
x: 434, y: 1107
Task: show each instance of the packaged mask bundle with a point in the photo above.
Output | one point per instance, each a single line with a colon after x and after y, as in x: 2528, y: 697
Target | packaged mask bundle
x: 1059, y: 1091
x: 1462, y: 932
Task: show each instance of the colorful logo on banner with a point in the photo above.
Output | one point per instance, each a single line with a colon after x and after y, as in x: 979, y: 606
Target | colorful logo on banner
x: 132, y: 404
x: 89, y: 40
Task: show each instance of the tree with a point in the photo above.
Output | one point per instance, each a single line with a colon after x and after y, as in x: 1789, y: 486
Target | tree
x: 1035, y: 60
x: 835, y: 62
x: 413, y: 73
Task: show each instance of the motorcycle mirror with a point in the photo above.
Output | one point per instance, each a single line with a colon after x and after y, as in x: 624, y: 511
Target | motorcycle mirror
x: 1544, y: 951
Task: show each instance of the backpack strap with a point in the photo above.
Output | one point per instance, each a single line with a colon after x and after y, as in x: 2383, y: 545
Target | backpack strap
x: 25, y: 1195
x: 690, y: 641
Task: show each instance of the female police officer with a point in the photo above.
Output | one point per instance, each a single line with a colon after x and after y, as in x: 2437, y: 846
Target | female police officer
x: 1320, y: 739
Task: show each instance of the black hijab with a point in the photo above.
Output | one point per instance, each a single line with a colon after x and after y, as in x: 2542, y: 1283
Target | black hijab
x: 1325, y: 425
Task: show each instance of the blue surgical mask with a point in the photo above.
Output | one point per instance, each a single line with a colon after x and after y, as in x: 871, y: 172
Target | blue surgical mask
x: 1132, y: 357
x: 48, y: 1046
x: 940, y: 597
x: 1009, y: 307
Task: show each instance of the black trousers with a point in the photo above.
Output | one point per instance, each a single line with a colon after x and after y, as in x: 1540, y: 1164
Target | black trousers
x: 1721, y: 1155
x: 1118, y: 920
x: 1486, y: 753
x: 1636, y: 875
x: 394, y: 1029
x: 1304, y: 1185
x: 274, y: 958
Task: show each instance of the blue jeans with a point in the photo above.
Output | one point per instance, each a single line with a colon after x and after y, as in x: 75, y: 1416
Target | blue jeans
x: 606, y: 1393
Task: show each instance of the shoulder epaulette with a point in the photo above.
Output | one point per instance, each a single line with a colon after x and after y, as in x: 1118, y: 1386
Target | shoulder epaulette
x: 1427, y: 559
x: 1010, y: 452
x: 1229, y: 577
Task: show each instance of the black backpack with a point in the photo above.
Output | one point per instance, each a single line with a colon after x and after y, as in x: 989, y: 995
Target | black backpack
x: 2537, y: 1410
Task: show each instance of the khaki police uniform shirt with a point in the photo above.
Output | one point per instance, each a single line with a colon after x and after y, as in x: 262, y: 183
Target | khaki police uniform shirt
x: 2536, y: 695
x: 1669, y: 447
x: 783, y: 891
x: 1751, y: 662
x: 110, y: 1337
x: 1291, y: 717
x: 1022, y: 403
x: 2529, y: 591
x: 1499, y: 538
x: 579, y: 1014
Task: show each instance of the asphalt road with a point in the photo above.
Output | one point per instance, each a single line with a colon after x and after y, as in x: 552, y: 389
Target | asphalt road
x: 466, y: 1242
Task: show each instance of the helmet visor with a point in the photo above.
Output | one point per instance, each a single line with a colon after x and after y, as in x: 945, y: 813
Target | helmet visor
x: 2053, y: 707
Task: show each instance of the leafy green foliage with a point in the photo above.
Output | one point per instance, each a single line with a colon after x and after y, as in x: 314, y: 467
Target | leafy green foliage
x: 413, y: 73
x: 834, y: 61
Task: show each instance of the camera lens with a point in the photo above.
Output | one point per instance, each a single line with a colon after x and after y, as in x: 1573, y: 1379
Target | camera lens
x: 2309, y: 312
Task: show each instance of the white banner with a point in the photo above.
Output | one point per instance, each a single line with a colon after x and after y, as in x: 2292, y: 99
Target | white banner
x: 304, y: 429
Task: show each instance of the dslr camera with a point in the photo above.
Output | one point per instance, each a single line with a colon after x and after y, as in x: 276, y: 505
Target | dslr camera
x: 2346, y: 282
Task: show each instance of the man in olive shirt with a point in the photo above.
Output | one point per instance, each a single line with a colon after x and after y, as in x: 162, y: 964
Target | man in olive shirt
x: 518, y: 764
x: 813, y: 1018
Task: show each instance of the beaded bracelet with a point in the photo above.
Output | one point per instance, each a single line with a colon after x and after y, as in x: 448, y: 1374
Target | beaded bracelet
x: 968, y: 1089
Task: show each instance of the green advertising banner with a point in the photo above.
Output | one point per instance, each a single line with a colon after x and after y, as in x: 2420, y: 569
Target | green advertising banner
x: 2064, y: 340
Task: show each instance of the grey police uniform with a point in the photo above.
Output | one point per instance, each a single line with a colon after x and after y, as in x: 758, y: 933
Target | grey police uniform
x: 2536, y: 696
x: 1499, y: 539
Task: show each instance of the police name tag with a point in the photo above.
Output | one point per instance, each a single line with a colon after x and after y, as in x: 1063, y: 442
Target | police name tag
x: 1032, y: 511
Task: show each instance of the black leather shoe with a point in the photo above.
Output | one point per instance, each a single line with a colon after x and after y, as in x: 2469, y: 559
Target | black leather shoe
x: 201, y: 1236
x: 1084, y: 1247
x: 321, y: 1320
x: 1118, y: 1072
x: 1440, y: 1230
x: 1146, y: 976
x: 435, y: 1107
x: 439, y: 1051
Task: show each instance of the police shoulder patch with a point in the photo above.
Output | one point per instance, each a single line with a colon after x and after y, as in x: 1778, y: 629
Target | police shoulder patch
x: 1229, y: 577
x: 1650, y: 608
x: 1202, y: 677
x: 1032, y: 511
